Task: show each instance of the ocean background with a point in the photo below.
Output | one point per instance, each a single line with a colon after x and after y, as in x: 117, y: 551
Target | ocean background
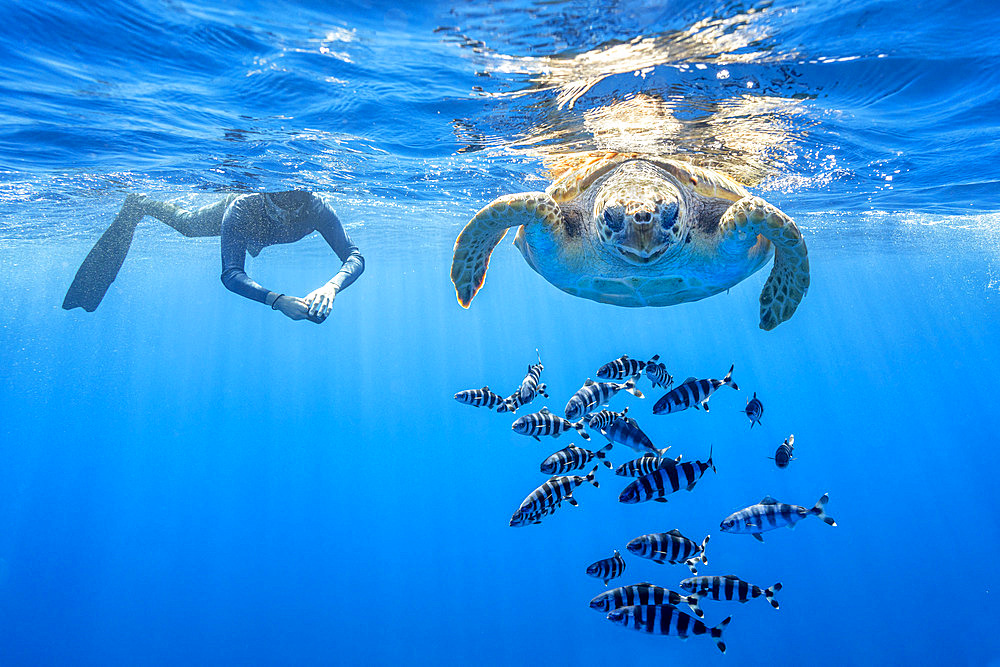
x: 186, y: 477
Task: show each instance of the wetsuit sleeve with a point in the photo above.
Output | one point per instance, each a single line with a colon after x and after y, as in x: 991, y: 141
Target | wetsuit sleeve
x: 328, y: 224
x: 234, y: 253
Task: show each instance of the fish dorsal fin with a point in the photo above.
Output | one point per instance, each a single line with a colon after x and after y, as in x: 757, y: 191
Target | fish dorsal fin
x: 545, y: 411
x: 486, y: 388
x: 588, y: 382
x: 768, y: 500
x: 624, y: 356
x: 732, y: 577
x: 689, y: 379
x: 617, y: 555
x: 675, y: 532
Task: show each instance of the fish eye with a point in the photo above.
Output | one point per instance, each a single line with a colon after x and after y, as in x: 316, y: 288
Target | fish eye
x: 614, y: 219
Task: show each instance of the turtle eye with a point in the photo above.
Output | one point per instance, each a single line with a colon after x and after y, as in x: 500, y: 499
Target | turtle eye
x: 614, y: 219
x: 668, y: 215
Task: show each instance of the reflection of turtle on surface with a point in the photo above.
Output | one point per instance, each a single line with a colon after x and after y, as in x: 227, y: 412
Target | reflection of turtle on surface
x: 635, y: 230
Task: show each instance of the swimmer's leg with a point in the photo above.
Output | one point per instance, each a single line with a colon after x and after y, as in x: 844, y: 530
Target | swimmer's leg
x: 101, y: 266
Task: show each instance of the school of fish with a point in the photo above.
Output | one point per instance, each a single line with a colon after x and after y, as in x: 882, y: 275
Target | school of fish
x: 643, y: 607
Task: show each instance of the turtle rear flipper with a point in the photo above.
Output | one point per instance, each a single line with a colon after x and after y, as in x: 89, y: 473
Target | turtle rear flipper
x: 486, y: 229
x: 789, y: 279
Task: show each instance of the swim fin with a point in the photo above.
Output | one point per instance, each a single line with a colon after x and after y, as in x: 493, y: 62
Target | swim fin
x: 101, y: 266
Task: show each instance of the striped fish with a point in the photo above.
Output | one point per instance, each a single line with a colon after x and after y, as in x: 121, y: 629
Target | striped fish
x: 621, y: 368
x: 592, y: 394
x: 645, y: 464
x: 604, y: 418
x: 769, y: 514
x: 657, y: 373
x: 607, y: 568
x: 754, y: 410
x: 665, y: 480
x: 480, y: 398
x: 691, y: 393
x: 550, y: 495
x: 531, y: 385
x: 626, y: 431
x: 783, y: 455
x: 663, y: 619
x: 729, y: 587
x: 670, y: 548
x: 573, y: 458
x: 643, y: 594
x: 546, y: 423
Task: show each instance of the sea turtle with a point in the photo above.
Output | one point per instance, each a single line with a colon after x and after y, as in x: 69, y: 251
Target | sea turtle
x: 637, y: 230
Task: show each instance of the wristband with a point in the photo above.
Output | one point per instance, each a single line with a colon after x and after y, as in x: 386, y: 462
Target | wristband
x: 274, y: 304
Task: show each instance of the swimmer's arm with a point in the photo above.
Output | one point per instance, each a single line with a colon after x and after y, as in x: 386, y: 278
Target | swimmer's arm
x: 328, y: 224
x: 234, y: 252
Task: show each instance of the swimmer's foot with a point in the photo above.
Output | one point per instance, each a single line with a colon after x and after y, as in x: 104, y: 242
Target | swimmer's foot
x: 101, y: 265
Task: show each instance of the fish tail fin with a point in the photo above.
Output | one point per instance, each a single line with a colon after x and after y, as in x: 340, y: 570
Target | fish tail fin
x: 579, y: 427
x: 691, y: 563
x: 625, y: 411
x: 704, y: 543
x: 729, y: 379
x: 630, y: 388
x: 692, y: 601
x: 654, y: 359
x: 819, y: 509
x: 769, y: 594
x: 716, y: 633
x: 591, y: 477
x: 602, y: 454
x: 709, y: 461
x: 541, y: 389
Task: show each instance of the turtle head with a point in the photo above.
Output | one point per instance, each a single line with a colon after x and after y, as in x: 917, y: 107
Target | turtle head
x: 638, y: 216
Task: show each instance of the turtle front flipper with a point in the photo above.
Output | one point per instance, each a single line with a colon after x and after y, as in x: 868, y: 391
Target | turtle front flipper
x: 789, y: 279
x: 486, y: 229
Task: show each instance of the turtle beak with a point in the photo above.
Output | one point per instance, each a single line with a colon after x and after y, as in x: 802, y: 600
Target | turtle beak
x: 642, y: 243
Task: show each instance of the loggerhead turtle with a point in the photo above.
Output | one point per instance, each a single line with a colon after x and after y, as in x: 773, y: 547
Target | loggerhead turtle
x: 637, y: 230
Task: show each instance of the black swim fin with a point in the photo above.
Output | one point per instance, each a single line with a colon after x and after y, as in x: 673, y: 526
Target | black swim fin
x: 101, y: 266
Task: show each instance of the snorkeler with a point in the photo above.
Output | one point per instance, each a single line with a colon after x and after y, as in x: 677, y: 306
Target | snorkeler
x: 246, y: 223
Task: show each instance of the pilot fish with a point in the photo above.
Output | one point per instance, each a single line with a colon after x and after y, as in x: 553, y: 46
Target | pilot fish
x: 663, y: 619
x: 643, y: 594
x: 549, y: 495
x: 546, y: 423
x: 621, y: 368
x: 607, y: 568
x: 783, y: 454
x: 596, y: 393
x: 480, y: 398
x: 657, y: 373
x: 531, y: 385
x: 603, y: 419
x: 665, y: 480
x: 691, y: 393
x: 729, y: 587
x: 572, y: 458
x: 671, y: 548
x: 769, y: 514
x: 645, y: 464
x: 754, y: 410
x: 626, y: 431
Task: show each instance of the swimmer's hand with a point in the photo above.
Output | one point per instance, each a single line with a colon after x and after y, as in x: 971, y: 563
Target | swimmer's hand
x: 320, y: 301
x: 294, y: 308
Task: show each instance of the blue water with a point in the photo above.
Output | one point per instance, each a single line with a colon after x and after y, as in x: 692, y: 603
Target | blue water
x: 189, y: 478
